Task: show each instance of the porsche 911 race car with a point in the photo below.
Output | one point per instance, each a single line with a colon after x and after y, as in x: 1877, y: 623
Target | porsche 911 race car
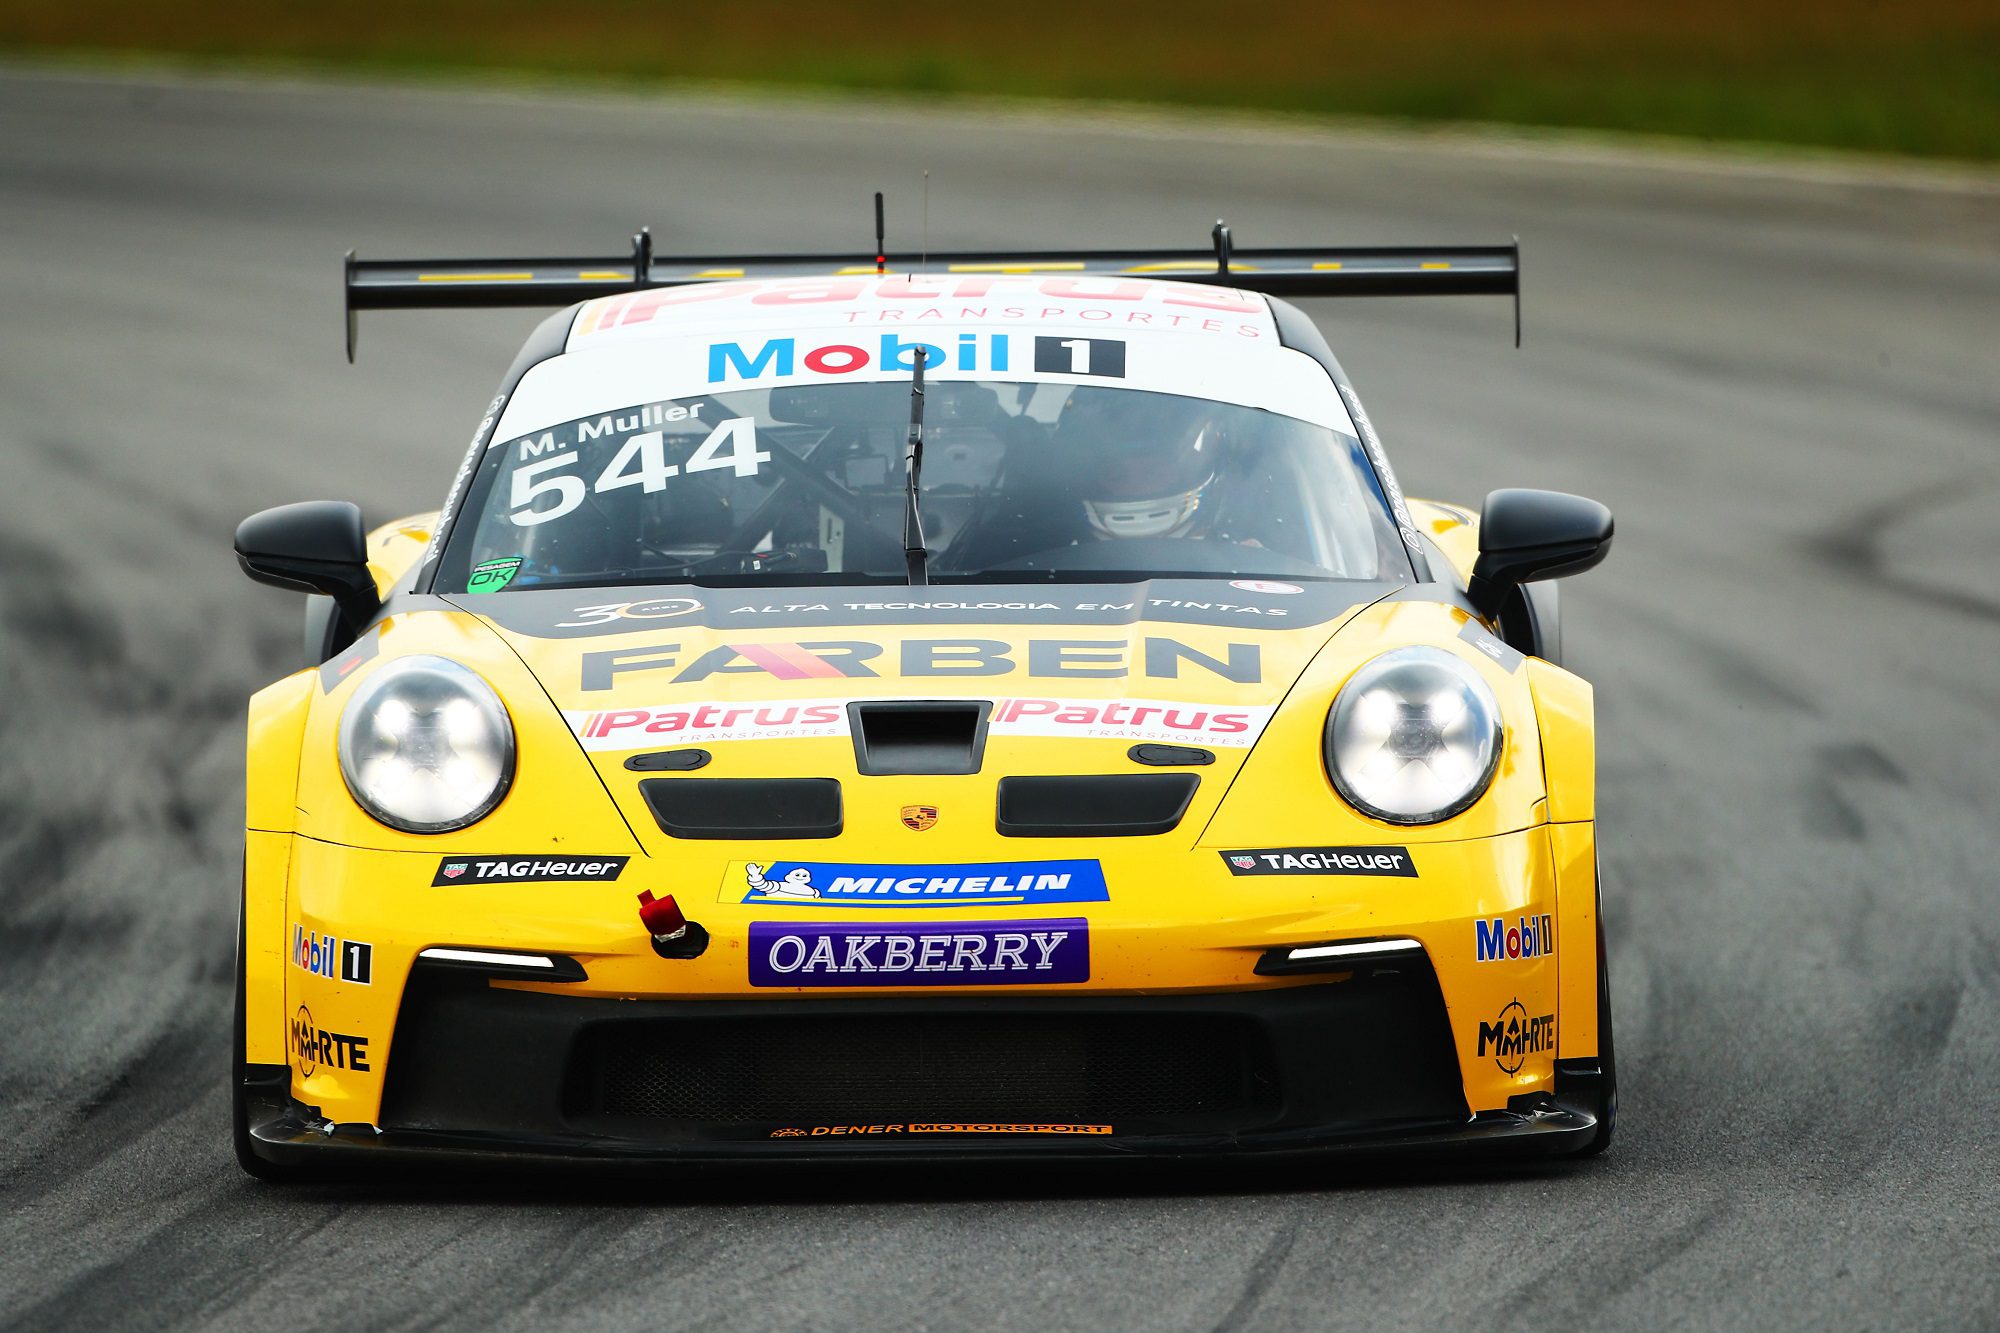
x: 844, y: 712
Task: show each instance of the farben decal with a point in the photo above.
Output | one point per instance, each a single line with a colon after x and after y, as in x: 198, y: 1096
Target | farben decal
x: 1158, y: 657
x: 829, y: 884
x: 1322, y: 861
x: 528, y: 869
x: 952, y: 953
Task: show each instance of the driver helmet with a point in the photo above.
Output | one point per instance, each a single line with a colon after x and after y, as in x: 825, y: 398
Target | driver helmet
x: 1144, y: 460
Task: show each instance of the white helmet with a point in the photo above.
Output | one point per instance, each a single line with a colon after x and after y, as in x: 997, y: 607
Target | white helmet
x: 1144, y: 460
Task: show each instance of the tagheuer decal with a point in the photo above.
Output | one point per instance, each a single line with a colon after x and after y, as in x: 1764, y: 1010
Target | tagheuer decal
x: 1321, y: 861
x: 528, y: 868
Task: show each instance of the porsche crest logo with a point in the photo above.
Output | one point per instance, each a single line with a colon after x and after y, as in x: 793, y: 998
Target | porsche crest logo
x: 919, y: 817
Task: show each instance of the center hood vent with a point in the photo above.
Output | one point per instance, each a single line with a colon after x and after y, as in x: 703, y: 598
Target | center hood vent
x: 1108, y: 805
x: 927, y: 736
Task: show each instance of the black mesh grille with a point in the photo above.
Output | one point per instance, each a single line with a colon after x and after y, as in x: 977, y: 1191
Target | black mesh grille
x: 946, y: 1067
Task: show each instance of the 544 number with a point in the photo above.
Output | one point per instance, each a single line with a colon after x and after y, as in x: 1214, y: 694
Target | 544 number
x: 641, y: 461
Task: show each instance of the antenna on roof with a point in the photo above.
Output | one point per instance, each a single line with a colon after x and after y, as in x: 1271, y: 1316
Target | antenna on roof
x: 642, y: 256
x: 925, y: 264
x: 1222, y: 247
x: 881, y: 251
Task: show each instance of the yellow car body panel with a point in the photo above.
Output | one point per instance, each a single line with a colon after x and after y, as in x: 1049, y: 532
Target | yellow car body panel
x: 1176, y: 920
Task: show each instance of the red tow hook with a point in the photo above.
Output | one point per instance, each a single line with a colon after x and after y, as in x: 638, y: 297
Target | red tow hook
x: 674, y: 936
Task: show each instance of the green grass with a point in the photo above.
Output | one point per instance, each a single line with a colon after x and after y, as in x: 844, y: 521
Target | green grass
x: 1919, y: 77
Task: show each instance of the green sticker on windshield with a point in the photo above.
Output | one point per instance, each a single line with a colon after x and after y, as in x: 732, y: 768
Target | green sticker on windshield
x: 493, y: 575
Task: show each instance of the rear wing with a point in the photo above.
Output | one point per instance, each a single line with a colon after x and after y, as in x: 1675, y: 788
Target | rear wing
x: 1381, y: 270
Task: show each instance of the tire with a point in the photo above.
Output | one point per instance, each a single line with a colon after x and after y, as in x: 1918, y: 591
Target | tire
x: 1607, y: 1057
x: 239, y: 1076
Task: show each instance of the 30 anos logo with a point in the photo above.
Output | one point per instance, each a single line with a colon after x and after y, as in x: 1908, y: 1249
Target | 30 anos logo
x: 313, y: 1046
x: 1514, y: 1036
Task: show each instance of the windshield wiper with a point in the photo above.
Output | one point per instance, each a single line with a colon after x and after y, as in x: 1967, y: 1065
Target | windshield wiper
x: 915, y: 557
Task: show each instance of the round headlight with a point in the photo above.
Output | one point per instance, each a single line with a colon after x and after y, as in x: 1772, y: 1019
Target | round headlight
x: 425, y: 745
x: 1414, y: 737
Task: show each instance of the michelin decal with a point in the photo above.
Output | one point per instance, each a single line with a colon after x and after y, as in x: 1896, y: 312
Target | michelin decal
x: 837, y: 885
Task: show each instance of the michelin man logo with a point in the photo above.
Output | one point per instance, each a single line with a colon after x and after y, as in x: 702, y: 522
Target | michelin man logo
x: 796, y: 884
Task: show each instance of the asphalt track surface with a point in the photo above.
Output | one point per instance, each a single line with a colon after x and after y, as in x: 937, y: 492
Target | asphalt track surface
x: 1784, y: 382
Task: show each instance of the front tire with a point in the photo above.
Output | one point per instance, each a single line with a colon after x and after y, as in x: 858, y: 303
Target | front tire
x: 1606, y: 1098
x: 241, y: 1077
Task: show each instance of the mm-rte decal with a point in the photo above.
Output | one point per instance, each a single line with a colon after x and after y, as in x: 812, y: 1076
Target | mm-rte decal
x: 831, y: 884
x: 951, y: 953
x: 313, y: 1046
x: 1529, y: 937
x: 1321, y: 861
x: 333, y: 958
x: 534, y: 868
x: 1514, y: 1036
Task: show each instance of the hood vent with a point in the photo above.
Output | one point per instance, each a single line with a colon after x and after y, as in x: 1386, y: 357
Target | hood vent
x: 1108, y: 805
x: 745, y: 807
x: 918, y: 736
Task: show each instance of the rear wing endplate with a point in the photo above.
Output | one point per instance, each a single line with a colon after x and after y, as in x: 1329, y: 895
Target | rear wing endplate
x: 1383, y: 270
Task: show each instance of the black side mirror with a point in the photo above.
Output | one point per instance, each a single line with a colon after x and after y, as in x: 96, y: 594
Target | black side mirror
x: 1526, y: 536
x: 314, y: 546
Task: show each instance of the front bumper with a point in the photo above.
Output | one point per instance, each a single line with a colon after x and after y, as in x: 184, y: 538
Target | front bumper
x: 1356, y: 1061
x: 1359, y: 1061
x: 407, y: 1056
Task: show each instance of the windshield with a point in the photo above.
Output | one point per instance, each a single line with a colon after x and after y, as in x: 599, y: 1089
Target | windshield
x: 1021, y: 481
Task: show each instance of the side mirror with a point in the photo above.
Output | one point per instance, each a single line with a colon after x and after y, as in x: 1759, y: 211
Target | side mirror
x: 314, y: 546
x: 1526, y: 536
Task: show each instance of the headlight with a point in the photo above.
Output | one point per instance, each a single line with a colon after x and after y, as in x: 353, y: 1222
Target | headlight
x: 425, y: 745
x: 1414, y: 737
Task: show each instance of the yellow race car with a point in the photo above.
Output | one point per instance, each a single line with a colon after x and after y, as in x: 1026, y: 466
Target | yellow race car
x: 1003, y: 709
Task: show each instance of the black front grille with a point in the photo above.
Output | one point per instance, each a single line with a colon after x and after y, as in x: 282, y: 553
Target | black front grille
x: 848, y: 1068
